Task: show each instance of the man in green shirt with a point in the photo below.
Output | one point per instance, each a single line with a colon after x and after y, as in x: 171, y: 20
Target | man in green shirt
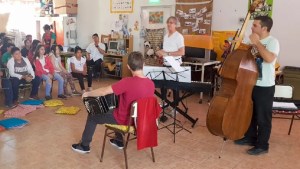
x: 7, y: 55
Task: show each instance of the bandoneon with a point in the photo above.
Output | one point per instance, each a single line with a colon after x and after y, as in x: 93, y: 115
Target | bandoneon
x: 100, y: 105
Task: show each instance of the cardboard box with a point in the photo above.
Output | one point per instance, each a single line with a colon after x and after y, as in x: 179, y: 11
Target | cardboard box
x: 65, y: 6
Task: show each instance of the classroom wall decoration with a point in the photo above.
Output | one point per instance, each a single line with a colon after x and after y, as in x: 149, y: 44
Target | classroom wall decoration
x: 121, y: 6
x: 156, y: 17
x: 221, y: 41
x: 194, y: 16
x: 264, y: 8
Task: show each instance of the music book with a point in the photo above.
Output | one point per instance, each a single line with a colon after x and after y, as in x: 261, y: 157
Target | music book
x: 174, y: 64
x: 284, y: 106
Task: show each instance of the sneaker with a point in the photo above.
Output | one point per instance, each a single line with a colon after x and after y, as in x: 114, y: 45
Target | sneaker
x: 257, y: 151
x: 11, y: 106
x: 79, y: 148
x: 245, y: 141
x: 118, y: 144
x: 68, y: 94
x: 90, y: 88
x: 76, y: 93
x: 83, y: 91
x: 61, y: 96
x: 48, y: 97
x: 34, y: 98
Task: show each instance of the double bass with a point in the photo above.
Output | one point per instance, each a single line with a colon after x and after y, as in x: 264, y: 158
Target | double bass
x: 230, y: 111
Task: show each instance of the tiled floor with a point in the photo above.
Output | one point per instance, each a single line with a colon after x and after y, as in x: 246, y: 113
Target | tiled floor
x: 46, y: 143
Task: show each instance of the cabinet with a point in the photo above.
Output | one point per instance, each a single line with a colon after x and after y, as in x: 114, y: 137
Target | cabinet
x: 115, y: 63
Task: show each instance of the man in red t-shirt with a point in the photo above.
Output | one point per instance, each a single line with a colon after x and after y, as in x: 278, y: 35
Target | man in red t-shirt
x: 128, y: 90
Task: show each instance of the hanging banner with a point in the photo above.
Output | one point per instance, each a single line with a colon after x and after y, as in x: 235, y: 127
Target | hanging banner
x: 264, y: 8
x: 194, y: 16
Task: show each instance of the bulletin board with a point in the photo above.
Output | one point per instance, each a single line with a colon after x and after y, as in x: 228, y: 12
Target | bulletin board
x: 121, y: 6
x: 194, y: 16
x: 264, y: 8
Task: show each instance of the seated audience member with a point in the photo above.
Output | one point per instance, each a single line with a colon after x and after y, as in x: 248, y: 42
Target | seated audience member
x: 6, y: 87
x: 79, y: 69
x: 95, y: 52
x: 21, y: 72
x: 56, y: 61
x: 7, y: 55
x: 29, y: 37
x: 44, y: 69
x: 26, y: 48
x: 30, y: 55
x: 128, y: 90
x: 4, y: 41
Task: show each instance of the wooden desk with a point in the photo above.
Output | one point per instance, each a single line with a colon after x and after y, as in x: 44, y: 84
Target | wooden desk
x: 123, y: 60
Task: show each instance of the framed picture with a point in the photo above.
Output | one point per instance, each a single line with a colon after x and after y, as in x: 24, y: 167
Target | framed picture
x: 121, y: 6
x: 155, y: 17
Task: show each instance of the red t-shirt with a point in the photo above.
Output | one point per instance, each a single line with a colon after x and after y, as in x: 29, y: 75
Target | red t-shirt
x: 129, y: 90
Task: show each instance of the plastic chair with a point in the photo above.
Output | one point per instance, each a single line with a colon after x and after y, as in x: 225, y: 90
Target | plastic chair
x: 126, y: 131
x: 284, y: 93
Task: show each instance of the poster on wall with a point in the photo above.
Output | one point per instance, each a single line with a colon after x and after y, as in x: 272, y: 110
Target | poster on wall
x: 156, y: 17
x: 264, y: 8
x: 222, y: 41
x: 194, y: 16
x: 121, y: 6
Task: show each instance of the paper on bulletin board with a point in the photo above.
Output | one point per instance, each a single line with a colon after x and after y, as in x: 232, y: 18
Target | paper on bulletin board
x: 121, y: 6
x: 264, y: 8
x: 195, y: 16
x: 219, y: 38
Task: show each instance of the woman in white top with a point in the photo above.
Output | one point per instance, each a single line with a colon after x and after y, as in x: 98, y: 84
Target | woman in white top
x: 58, y: 68
x: 79, y: 69
x: 173, y: 44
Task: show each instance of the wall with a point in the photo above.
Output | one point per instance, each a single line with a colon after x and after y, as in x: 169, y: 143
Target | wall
x: 94, y: 16
x: 286, y: 24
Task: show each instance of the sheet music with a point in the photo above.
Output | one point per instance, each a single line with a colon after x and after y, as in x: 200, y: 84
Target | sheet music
x: 284, y: 105
x: 174, y: 64
x: 156, y: 73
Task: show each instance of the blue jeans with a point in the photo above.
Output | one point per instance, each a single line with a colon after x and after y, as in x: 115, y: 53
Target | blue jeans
x: 15, y: 82
x: 8, y: 93
x: 57, y: 77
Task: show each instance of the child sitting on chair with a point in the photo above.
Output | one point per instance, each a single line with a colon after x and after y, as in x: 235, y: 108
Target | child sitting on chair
x: 45, y: 70
x: 58, y: 68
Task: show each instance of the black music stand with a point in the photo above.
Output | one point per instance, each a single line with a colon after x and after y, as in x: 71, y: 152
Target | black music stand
x: 176, y: 123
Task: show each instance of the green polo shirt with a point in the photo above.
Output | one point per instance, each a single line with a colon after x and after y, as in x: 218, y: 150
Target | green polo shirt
x: 5, y: 57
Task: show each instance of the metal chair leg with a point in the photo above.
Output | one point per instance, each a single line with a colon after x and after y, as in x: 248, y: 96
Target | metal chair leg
x: 292, y: 121
x: 126, y: 143
x: 124, y: 150
x: 103, y: 146
x: 152, y: 154
x: 51, y: 87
